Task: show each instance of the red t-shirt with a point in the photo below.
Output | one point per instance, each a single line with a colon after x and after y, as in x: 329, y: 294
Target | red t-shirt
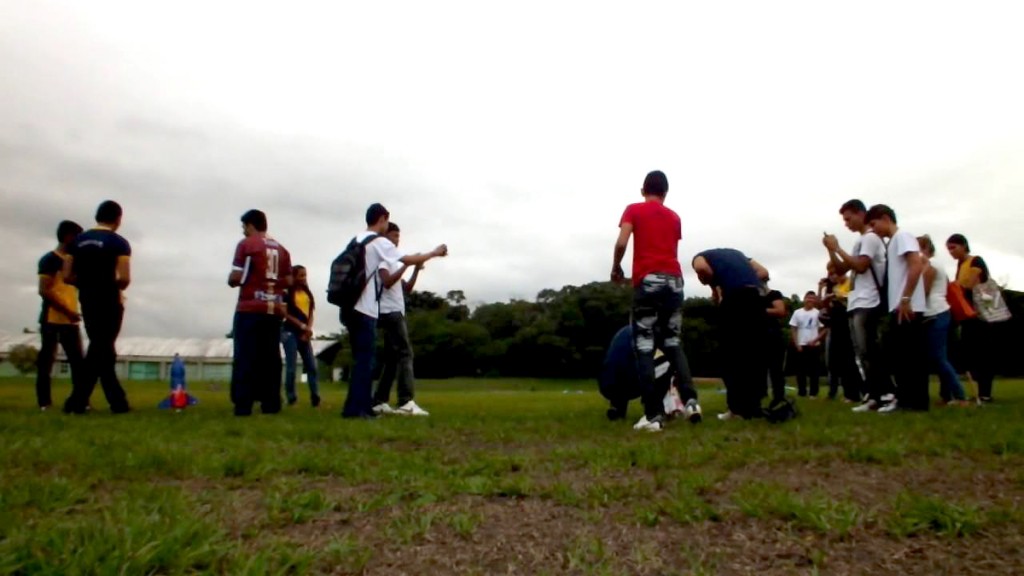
x: 263, y: 263
x: 656, y: 234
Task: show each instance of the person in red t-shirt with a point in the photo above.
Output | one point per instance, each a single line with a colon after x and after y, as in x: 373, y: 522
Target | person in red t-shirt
x: 657, y: 298
x: 262, y: 271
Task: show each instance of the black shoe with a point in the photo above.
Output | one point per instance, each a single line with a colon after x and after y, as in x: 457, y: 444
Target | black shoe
x: 614, y: 414
x: 315, y: 400
x: 360, y: 416
x: 121, y: 409
x: 292, y: 401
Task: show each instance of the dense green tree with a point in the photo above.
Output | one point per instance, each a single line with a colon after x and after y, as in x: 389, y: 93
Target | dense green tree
x: 565, y: 333
x: 24, y: 357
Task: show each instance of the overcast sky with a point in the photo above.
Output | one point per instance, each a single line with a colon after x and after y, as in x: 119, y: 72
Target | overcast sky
x: 515, y: 132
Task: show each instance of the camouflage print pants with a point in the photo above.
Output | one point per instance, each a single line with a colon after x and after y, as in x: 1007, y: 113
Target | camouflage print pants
x: 657, y: 319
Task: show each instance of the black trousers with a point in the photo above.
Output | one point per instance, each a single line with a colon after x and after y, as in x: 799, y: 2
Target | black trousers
x: 256, y: 370
x: 842, y: 367
x: 102, y: 325
x: 808, y: 367
x: 776, y: 349
x: 910, y: 362
x: 743, y: 351
x: 70, y: 339
x: 979, y: 347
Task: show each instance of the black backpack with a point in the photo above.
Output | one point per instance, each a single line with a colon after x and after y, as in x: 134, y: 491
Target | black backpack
x: 348, y: 275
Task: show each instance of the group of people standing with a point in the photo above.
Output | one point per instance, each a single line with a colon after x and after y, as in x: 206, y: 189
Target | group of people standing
x: 886, y: 283
x: 656, y: 318
x: 84, y: 278
x: 275, y: 307
x: 884, y: 316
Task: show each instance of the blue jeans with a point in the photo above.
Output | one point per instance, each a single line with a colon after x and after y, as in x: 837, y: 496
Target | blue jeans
x: 362, y: 337
x: 950, y: 387
x: 292, y: 346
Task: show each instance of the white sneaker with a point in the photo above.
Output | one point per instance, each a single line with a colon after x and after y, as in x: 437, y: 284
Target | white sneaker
x: 890, y: 406
x: 383, y: 408
x: 727, y: 416
x: 693, y: 412
x: 411, y: 409
x: 645, y: 425
x: 867, y: 406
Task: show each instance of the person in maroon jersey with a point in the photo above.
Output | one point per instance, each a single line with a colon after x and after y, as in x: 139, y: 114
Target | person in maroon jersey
x: 657, y: 298
x: 262, y: 271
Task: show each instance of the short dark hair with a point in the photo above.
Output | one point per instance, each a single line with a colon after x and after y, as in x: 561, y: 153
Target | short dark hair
x: 810, y: 293
x: 927, y: 246
x: 392, y: 227
x: 656, y: 183
x: 67, y: 228
x: 854, y: 205
x: 108, y: 212
x: 879, y: 210
x: 257, y: 218
x: 960, y: 240
x: 375, y: 212
x: 297, y: 267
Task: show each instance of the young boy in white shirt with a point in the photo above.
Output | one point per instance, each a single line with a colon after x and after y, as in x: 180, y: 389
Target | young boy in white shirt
x: 808, y: 333
x: 866, y: 263
x: 907, y: 305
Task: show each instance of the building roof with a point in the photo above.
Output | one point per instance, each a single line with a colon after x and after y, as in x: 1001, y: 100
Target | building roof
x: 151, y: 347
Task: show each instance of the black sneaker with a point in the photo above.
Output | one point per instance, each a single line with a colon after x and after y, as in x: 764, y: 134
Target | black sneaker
x: 315, y: 400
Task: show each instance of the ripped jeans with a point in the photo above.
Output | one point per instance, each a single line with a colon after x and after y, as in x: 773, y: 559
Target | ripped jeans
x: 657, y: 320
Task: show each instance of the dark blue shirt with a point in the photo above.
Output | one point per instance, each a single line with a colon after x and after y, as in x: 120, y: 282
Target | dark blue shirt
x: 620, y: 378
x: 95, y: 254
x: 731, y: 269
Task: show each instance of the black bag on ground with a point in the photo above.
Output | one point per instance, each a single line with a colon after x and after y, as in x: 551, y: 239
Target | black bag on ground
x: 781, y: 411
x: 348, y: 275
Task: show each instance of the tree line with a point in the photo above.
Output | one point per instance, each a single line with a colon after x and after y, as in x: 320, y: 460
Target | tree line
x: 565, y: 333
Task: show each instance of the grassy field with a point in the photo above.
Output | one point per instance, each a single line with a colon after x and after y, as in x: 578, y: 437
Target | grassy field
x: 510, y: 477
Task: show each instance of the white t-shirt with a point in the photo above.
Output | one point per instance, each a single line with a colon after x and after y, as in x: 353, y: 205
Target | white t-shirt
x: 865, y: 292
x: 901, y: 244
x: 380, y: 253
x: 393, y: 299
x: 807, y: 325
x: 937, y: 303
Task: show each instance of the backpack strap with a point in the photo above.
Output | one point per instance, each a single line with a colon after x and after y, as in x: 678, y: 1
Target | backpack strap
x: 885, y: 260
x: 378, y: 290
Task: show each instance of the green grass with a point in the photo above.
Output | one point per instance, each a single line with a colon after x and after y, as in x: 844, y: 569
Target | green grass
x: 510, y: 475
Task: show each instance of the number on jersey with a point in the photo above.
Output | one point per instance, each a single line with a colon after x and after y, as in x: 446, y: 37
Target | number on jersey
x: 273, y: 259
